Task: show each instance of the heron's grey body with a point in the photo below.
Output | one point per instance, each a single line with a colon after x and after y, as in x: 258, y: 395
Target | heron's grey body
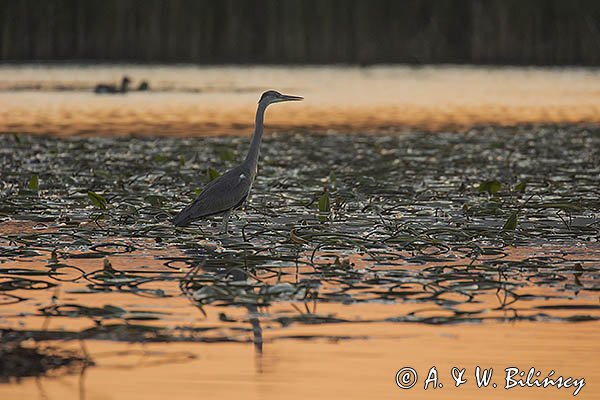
x: 230, y: 190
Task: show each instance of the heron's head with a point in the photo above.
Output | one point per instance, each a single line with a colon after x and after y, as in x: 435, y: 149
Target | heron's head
x: 271, y: 96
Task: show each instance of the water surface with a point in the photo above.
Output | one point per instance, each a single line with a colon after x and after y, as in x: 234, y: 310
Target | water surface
x: 415, y: 263
x: 190, y: 100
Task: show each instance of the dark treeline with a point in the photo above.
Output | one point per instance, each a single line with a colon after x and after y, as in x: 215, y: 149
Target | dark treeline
x: 303, y: 31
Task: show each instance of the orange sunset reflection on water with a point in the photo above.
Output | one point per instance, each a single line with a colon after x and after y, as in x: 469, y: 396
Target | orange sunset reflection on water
x: 356, y: 357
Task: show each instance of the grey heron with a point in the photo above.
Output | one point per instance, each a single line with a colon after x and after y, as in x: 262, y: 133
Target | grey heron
x: 230, y: 190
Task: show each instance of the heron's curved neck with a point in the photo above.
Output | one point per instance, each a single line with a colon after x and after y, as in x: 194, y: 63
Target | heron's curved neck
x: 253, y: 152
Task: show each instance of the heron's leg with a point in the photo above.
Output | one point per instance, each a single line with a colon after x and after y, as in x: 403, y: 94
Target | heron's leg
x: 226, y: 216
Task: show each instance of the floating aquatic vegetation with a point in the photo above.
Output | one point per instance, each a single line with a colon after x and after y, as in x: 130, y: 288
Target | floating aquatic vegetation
x: 98, y: 200
x: 17, y: 361
x: 34, y: 183
x: 493, y: 224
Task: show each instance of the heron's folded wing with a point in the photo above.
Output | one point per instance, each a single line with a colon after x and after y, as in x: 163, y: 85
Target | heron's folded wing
x: 223, y: 194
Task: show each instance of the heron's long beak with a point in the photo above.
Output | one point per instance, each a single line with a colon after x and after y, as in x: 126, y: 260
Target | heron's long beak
x: 286, y: 97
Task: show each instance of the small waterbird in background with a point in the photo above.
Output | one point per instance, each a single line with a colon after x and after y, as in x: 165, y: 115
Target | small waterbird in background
x: 143, y: 86
x: 103, y: 88
x: 230, y: 190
